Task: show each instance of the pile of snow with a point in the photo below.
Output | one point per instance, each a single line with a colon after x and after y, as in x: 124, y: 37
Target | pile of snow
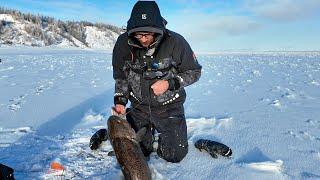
x: 264, y: 106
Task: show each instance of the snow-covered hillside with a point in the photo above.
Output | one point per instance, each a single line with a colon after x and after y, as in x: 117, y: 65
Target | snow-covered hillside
x: 98, y: 39
x: 22, y: 32
x: 265, y: 106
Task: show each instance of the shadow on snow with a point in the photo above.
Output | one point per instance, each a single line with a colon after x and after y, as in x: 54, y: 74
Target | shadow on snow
x: 31, y: 154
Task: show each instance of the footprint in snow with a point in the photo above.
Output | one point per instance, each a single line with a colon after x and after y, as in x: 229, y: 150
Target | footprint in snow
x: 303, y: 135
x: 14, y: 107
x: 276, y: 103
x: 313, y: 123
x: 315, y: 83
x: 40, y: 89
x: 16, y: 130
x: 16, y: 103
x: 288, y: 95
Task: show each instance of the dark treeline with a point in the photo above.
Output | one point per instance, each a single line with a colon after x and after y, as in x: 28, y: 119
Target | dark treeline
x: 39, y: 24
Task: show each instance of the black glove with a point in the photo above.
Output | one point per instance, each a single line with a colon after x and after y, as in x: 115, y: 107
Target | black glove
x: 97, y: 138
x: 213, y: 148
x: 120, y: 100
x: 174, y: 84
x: 6, y: 173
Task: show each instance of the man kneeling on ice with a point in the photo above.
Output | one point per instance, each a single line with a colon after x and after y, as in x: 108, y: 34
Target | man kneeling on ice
x: 151, y: 67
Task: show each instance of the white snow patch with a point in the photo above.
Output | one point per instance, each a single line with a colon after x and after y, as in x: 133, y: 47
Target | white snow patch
x: 270, y: 166
x: 16, y: 130
x: 276, y: 103
x: 201, y: 126
x: 7, y: 69
x: 224, y: 122
x: 318, y: 155
x: 98, y: 39
x: 256, y: 73
x: 63, y: 97
x: 6, y: 17
x: 92, y: 117
x: 316, y: 83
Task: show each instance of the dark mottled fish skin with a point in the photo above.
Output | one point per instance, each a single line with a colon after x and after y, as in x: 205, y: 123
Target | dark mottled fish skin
x: 213, y: 148
x: 97, y: 138
x: 127, y: 149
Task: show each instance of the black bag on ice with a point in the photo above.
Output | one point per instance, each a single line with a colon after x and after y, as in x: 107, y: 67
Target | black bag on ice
x: 6, y: 173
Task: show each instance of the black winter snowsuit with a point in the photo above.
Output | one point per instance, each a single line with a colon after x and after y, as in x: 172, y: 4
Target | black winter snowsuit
x: 136, y: 68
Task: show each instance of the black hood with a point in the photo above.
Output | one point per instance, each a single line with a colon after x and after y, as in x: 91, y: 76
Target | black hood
x: 146, y: 16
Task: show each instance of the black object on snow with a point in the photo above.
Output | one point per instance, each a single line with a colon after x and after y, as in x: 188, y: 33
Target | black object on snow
x: 97, y: 138
x: 6, y: 173
x: 213, y: 148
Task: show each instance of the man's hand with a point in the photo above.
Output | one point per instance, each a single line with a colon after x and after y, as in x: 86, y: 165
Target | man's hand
x: 160, y: 87
x: 120, y: 109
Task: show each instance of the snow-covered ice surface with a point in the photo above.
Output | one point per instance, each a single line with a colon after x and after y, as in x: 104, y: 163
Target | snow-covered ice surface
x: 265, y: 106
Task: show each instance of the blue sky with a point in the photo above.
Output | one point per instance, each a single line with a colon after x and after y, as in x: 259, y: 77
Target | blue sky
x: 208, y: 25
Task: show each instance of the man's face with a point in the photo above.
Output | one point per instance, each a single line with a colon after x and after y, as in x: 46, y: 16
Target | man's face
x: 145, y: 38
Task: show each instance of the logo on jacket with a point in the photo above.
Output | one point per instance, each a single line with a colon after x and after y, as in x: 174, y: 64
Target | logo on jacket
x: 144, y: 16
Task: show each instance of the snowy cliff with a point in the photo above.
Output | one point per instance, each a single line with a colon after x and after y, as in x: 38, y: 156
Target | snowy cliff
x: 29, y: 30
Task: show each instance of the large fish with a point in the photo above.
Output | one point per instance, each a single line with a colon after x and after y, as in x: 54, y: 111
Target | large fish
x: 213, y: 148
x: 125, y: 143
